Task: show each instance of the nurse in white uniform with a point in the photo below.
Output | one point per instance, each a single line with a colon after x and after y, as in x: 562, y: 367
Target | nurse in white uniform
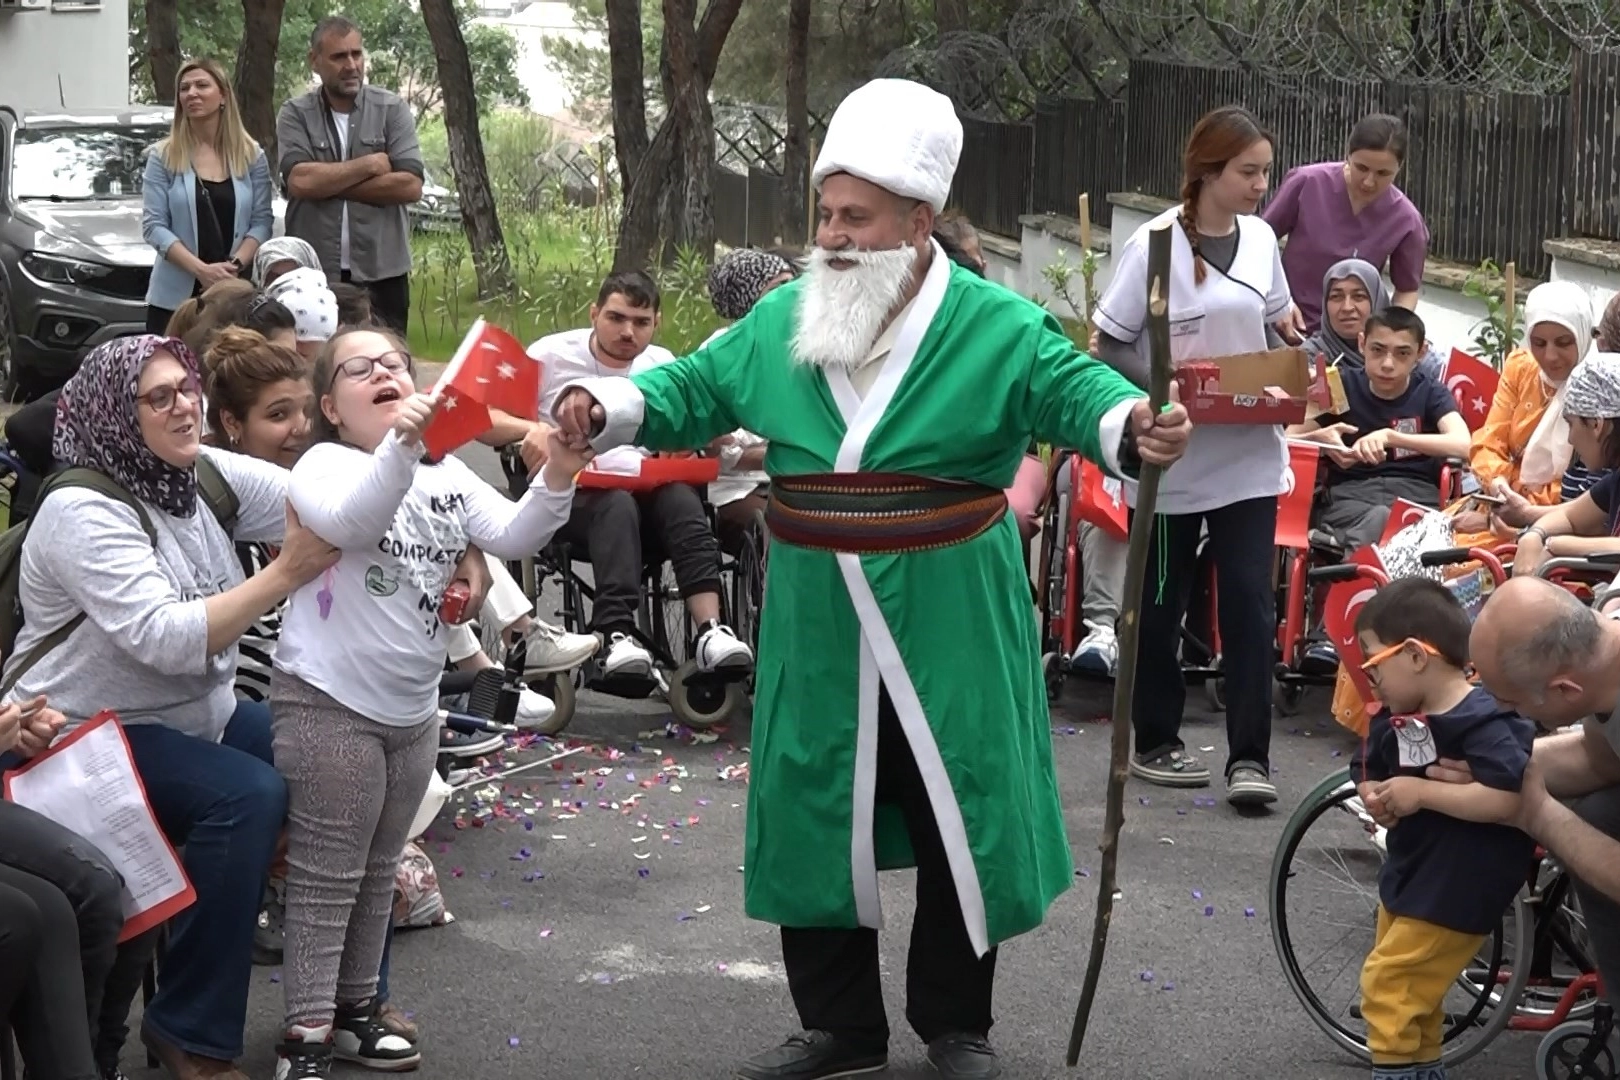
x: 1226, y: 287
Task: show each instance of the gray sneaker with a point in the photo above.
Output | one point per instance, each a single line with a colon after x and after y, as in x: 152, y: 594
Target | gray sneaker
x: 1248, y: 785
x: 1170, y: 768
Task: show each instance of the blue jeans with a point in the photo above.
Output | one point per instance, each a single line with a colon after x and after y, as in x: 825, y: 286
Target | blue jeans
x: 225, y: 803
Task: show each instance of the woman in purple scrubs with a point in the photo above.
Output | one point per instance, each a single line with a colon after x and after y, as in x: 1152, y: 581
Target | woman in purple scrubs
x: 1349, y: 209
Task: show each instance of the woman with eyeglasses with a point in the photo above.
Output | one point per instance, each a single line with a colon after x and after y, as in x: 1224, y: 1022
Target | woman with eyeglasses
x: 205, y: 195
x: 354, y: 693
x: 133, y: 600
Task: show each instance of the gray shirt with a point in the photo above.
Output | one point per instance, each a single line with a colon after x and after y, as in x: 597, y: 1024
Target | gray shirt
x: 143, y: 650
x: 379, y: 236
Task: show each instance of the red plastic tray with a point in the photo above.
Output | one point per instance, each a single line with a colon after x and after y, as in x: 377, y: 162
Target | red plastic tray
x: 656, y: 472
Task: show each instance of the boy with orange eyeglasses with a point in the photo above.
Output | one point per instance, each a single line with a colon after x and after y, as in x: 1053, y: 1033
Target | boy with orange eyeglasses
x: 1448, y: 876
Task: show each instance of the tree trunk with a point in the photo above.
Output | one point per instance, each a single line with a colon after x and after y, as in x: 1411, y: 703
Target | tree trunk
x: 670, y: 201
x: 256, y: 71
x: 796, y: 144
x: 163, y: 47
x: 627, y: 76
x: 478, y: 214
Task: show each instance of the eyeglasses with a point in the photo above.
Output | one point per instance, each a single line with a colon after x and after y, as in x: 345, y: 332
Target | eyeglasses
x: 359, y: 368
x: 1377, y: 658
x: 162, y: 399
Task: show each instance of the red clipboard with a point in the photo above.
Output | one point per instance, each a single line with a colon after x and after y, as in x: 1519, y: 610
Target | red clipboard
x: 160, y: 913
x: 656, y: 472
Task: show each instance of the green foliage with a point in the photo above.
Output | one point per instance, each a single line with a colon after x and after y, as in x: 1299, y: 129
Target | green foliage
x: 559, y: 259
x: 399, y: 51
x: 519, y: 147
x: 1498, y: 333
x: 1059, y: 276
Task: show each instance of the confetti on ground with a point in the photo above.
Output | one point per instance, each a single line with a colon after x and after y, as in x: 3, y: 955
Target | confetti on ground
x: 1198, y: 894
x: 1209, y: 910
x: 1248, y: 913
x: 642, y: 871
x: 1143, y: 799
x: 547, y: 932
x: 275, y: 976
x: 513, y: 1041
x: 1147, y: 976
x: 704, y: 908
x: 1084, y: 871
x: 1168, y: 986
x: 1167, y: 840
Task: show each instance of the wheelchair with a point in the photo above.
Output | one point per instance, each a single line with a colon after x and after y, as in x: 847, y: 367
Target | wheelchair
x: 1058, y: 573
x: 699, y: 700
x: 1535, y: 973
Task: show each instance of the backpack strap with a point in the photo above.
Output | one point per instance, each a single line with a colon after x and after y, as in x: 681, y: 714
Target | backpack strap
x: 217, y: 494
x: 101, y: 484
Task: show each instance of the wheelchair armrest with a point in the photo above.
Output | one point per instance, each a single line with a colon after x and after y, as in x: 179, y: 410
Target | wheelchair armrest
x: 1345, y: 572
x: 1602, y: 564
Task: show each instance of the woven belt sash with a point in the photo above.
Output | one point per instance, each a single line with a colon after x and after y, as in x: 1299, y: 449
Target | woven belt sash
x: 879, y: 512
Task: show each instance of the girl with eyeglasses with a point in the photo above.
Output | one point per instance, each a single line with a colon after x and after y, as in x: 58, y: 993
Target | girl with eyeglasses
x: 355, y: 690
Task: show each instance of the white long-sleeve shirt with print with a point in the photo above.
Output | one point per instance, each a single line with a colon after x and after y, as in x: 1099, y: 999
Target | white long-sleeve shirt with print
x: 374, y: 641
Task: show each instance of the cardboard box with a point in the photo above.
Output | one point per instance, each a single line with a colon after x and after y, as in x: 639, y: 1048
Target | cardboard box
x: 1267, y: 388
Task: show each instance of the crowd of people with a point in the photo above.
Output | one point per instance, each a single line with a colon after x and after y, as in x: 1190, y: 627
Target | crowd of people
x: 232, y: 514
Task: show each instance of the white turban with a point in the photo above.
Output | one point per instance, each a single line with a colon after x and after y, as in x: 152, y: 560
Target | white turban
x: 305, y: 293
x: 897, y: 134
x: 1593, y: 390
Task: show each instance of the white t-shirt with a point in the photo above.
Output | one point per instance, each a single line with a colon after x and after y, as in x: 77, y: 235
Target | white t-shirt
x: 340, y: 121
x: 1225, y: 316
x: 402, y: 526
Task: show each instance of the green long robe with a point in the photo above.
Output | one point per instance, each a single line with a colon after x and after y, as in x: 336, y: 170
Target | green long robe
x: 975, y: 372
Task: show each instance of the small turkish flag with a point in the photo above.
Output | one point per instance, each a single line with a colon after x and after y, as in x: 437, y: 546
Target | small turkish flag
x: 1102, y: 502
x: 490, y: 370
x: 1473, y: 383
x: 1298, y: 495
x: 1401, y: 515
x: 1339, y: 610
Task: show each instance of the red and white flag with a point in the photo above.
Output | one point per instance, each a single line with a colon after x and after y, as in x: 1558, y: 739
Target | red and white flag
x: 1343, y: 603
x: 491, y: 370
x: 1102, y: 502
x: 1298, y: 496
x: 1473, y: 383
x: 1401, y: 515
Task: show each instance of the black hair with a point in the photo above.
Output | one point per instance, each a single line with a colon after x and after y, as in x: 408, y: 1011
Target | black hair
x: 635, y: 286
x: 267, y: 316
x: 340, y: 25
x: 1417, y: 607
x: 1378, y: 131
x: 353, y: 304
x: 1399, y: 319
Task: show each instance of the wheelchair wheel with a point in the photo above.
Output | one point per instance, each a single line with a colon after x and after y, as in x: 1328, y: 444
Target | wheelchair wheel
x: 1331, y: 846
x: 559, y: 687
x: 700, y: 701
x: 1567, y: 1053
x: 748, y: 583
x: 1287, y: 697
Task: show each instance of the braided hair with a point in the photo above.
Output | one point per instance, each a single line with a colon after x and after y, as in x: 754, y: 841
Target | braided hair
x: 1219, y: 137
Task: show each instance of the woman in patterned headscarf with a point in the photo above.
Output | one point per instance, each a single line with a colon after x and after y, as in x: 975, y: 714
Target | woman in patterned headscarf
x: 1591, y: 523
x: 146, y: 585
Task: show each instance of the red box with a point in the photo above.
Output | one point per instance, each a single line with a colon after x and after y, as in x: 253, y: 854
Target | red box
x: 1266, y: 388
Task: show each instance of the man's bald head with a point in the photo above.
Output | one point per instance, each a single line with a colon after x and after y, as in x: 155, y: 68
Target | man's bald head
x: 1538, y: 648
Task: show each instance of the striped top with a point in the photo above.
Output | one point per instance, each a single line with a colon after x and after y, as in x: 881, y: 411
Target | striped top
x: 256, y: 650
x: 1578, y: 480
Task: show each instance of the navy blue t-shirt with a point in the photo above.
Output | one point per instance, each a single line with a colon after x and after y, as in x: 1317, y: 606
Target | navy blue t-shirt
x: 1416, y: 412
x: 1603, y: 493
x: 1458, y: 874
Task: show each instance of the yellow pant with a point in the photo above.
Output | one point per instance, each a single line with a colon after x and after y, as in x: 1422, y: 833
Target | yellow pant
x: 1404, y: 984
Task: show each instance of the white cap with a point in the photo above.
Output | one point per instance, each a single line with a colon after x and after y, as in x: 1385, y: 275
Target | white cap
x: 897, y: 134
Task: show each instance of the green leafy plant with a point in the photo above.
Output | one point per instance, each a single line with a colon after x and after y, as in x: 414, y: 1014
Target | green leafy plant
x: 1497, y: 334
x: 1060, y: 278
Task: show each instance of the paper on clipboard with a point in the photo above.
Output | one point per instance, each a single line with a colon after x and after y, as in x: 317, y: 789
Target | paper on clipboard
x: 87, y: 783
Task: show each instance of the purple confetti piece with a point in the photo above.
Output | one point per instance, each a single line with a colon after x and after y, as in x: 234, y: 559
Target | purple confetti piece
x: 1181, y: 813
x: 275, y: 976
x: 1209, y: 910
x: 703, y: 802
x: 719, y: 967
x: 512, y: 1042
x: 1083, y: 872
x: 521, y: 854
x: 1168, y: 986
x: 547, y: 932
x: 1147, y: 976
x: 629, y: 777
x: 1248, y: 913
x: 1338, y: 753
x: 506, y: 903
x: 603, y: 977
x: 1143, y: 799
x: 1198, y: 894
x: 683, y: 917
x: 528, y: 825
x: 642, y: 871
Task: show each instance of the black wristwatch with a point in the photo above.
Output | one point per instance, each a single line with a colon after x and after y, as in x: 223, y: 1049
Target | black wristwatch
x: 1130, y: 461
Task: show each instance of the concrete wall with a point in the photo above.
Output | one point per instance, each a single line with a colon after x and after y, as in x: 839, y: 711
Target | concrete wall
x: 88, y: 49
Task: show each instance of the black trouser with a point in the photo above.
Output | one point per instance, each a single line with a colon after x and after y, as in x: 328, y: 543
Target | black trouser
x: 390, y: 300
x: 1601, y: 810
x: 75, y: 871
x: 833, y: 974
x: 157, y: 319
x: 614, y: 527
x: 1359, y: 509
x: 1242, y: 542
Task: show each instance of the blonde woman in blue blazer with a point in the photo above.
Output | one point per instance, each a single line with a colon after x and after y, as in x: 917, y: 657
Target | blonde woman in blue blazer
x: 207, y: 194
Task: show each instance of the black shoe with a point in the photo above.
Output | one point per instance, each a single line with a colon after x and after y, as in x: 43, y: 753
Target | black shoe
x: 360, y: 1036
x: 963, y: 1057
x: 300, y: 1060
x: 812, y: 1055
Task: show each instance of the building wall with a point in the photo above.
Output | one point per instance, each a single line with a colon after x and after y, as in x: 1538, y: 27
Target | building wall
x: 89, y: 50
x: 548, y: 94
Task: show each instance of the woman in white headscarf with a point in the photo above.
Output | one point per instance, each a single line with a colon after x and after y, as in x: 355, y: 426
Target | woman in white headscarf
x: 281, y: 255
x: 1590, y: 524
x: 314, y: 307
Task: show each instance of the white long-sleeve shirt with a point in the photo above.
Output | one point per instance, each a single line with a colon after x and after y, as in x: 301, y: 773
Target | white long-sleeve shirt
x: 402, y: 526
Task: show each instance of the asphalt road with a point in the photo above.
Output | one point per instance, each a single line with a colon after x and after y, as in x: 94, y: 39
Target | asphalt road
x: 608, y: 940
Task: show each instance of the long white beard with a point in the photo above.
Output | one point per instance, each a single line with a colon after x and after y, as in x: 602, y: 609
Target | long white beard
x: 842, y: 312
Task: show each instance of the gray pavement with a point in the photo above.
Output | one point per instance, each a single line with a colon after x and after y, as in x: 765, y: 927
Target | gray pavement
x: 608, y: 942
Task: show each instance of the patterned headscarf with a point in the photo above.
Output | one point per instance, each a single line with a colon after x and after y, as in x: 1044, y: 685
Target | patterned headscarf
x: 1593, y: 389
x: 283, y: 249
x: 305, y: 293
x: 98, y: 428
x: 738, y: 280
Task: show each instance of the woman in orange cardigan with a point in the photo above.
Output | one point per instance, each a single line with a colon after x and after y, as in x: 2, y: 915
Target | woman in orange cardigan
x: 1521, y: 451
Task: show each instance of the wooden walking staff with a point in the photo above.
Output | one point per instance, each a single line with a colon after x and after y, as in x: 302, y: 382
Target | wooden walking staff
x: 1136, y: 562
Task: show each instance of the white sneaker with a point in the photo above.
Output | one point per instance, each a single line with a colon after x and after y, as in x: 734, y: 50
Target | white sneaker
x: 550, y: 648
x: 719, y: 650
x: 533, y: 710
x: 625, y: 656
x: 1097, y: 653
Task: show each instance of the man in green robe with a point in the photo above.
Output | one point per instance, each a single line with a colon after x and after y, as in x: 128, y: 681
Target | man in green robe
x: 900, y: 717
